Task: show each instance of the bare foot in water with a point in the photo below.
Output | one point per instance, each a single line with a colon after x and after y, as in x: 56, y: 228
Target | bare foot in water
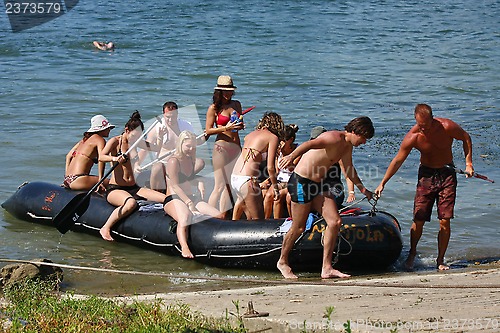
x: 286, y: 271
x: 186, y: 253
x: 106, y: 234
x: 443, y: 267
x: 410, y: 261
x: 333, y: 273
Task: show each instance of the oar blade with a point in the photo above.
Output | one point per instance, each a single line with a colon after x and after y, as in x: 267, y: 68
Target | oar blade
x: 68, y: 216
x: 477, y: 175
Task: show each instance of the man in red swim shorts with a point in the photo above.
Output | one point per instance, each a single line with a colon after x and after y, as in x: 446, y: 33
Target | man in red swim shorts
x: 437, y: 182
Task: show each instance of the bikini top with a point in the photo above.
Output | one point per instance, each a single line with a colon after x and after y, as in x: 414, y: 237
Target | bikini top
x: 119, y: 151
x: 222, y: 120
x: 252, y: 153
x: 76, y: 152
x: 94, y: 160
x: 182, y: 177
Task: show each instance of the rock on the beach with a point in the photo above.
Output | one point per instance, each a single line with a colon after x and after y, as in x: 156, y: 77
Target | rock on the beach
x: 16, y: 273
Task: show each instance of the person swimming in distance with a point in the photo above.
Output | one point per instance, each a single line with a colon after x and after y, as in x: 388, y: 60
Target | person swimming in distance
x: 104, y: 46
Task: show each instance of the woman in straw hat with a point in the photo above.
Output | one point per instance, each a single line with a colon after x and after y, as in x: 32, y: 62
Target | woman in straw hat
x: 84, y: 154
x: 227, y: 143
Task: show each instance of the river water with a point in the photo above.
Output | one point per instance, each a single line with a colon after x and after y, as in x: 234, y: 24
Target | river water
x: 316, y: 63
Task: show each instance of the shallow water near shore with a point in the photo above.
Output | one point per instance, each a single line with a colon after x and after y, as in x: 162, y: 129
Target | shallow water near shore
x: 315, y: 63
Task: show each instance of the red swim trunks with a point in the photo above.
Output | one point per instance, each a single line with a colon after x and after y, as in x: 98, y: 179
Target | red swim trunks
x: 435, y: 185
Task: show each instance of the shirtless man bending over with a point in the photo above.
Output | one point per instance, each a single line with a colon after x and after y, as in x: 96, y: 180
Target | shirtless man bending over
x: 433, y: 137
x: 306, y: 188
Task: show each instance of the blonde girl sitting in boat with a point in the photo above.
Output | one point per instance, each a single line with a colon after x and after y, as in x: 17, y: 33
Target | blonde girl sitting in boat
x: 181, y: 203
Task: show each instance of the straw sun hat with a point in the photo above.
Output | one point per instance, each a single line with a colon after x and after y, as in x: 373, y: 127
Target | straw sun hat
x: 225, y: 82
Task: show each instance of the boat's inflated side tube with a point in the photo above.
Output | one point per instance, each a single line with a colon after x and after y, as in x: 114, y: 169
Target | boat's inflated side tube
x: 368, y: 240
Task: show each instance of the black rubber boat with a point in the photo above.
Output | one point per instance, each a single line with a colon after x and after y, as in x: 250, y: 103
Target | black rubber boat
x: 369, y: 239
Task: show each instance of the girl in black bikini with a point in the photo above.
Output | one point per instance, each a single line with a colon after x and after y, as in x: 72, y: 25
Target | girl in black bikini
x: 84, y: 155
x: 180, y: 202
x: 123, y: 191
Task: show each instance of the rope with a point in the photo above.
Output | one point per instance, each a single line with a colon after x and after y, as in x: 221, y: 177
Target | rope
x: 343, y: 283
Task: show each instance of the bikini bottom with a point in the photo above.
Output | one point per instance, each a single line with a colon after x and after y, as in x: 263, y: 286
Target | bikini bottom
x: 132, y: 190
x: 237, y: 181
x: 194, y: 198
x: 71, y: 178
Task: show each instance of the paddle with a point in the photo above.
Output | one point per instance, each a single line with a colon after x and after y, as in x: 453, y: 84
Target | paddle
x: 159, y: 158
x: 474, y: 174
x: 77, y: 206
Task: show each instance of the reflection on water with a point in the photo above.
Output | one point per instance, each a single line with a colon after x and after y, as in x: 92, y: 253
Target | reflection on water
x: 342, y: 61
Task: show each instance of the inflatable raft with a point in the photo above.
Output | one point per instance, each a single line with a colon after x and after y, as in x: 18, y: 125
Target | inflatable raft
x: 368, y: 239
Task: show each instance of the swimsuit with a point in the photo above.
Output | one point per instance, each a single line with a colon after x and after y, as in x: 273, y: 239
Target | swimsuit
x: 194, y: 198
x: 68, y: 179
x: 303, y: 190
x: 223, y: 120
x: 284, y: 174
x: 231, y: 149
x: 182, y: 177
x: 170, y: 197
x: 132, y: 190
x: 237, y: 181
x: 252, y: 154
x: 332, y: 178
x: 71, y: 178
x: 435, y: 185
x: 94, y: 160
x: 333, y: 185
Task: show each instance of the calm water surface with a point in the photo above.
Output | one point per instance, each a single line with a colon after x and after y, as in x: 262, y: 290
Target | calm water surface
x: 315, y: 63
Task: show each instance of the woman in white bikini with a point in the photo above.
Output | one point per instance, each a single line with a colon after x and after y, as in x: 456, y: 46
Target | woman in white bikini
x: 84, y: 154
x: 260, y: 144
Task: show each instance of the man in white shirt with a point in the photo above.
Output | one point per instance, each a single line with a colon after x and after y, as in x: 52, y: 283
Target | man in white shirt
x: 165, y: 134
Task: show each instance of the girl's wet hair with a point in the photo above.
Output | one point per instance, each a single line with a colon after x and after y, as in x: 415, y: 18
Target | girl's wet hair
x: 361, y: 126
x: 290, y: 131
x: 274, y: 124
x: 134, y: 121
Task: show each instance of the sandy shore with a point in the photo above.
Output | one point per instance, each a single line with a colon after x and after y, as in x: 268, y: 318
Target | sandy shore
x: 459, y: 300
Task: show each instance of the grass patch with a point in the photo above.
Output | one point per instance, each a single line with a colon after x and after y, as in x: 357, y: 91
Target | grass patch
x: 34, y: 307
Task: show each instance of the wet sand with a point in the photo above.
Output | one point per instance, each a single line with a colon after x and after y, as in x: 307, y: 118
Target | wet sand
x: 458, y: 300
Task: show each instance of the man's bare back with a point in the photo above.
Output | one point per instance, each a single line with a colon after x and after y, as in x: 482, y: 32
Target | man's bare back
x: 316, y: 162
x: 318, y: 155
